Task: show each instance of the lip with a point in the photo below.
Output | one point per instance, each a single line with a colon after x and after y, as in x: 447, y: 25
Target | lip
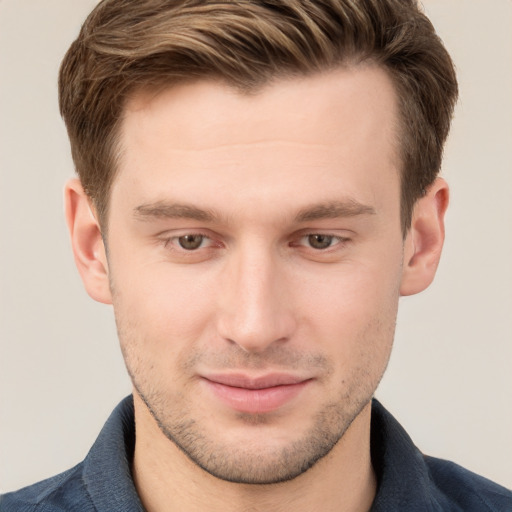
x: 255, y: 395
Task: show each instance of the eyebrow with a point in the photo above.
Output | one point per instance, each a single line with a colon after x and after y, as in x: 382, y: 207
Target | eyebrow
x: 334, y: 210
x: 329, y: 210
x: 162, y: 210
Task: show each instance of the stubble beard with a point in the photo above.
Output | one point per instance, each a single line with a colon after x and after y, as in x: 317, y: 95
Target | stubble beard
x: 252, y: 463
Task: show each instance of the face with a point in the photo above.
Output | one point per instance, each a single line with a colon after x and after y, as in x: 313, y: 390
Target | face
x: 255, y: 260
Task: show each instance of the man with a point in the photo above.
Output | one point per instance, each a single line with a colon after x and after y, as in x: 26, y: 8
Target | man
x: 258, y: 186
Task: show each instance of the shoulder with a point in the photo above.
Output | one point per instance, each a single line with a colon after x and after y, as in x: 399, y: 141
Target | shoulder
x: 465, y: 490
x: 63, y: 492
x: 412, y: 481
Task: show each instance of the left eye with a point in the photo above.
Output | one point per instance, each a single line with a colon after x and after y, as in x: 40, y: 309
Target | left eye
x: 318, y: 241
x: 191, y: 242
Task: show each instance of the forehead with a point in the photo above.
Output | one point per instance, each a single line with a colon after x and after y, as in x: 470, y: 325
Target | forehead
x: 292, y: 134
x: 311, y: 103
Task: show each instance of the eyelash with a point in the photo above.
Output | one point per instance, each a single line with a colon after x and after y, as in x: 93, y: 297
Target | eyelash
x: 338, y: 240
x: 168, y: 241
x: 335, y: 241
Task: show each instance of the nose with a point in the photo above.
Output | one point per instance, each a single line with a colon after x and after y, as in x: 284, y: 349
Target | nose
x: 255, y: 312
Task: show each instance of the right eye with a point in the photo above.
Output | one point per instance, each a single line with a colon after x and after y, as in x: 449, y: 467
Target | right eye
x: 191, y: 242
x: 190, y: 247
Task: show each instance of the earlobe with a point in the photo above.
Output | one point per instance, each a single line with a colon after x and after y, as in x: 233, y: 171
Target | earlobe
x: 87, y: 243
x: 425, y: 239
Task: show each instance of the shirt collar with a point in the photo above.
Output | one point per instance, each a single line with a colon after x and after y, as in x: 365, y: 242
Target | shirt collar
x: 402, y: 475
x: 107, y: 468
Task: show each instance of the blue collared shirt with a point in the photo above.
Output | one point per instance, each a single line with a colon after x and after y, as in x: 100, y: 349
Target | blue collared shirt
x: 408, y: 481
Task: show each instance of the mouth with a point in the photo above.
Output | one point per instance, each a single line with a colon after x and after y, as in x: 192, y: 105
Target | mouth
x: 255, y: 395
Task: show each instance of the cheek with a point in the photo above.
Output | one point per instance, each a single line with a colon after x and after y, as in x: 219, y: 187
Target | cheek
x: 161, y: 308
x: 159, y: 322
x: 354, y: 313
x: 356, y: 291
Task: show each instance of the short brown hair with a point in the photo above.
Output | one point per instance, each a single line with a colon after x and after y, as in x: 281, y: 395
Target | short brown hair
x: 127, y: 45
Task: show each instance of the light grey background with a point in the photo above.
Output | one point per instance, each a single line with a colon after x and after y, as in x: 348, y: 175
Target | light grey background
x: 61, y: 372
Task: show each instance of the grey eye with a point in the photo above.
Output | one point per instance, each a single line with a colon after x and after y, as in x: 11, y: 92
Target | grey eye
x: 320, y: 241
x: 190, y: 242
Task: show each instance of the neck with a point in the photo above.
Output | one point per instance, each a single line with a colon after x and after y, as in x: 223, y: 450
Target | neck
x: 167, y: 480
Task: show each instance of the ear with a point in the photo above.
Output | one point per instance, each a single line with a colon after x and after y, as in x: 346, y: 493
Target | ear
x: 424, y: 242
x: 87, y: 242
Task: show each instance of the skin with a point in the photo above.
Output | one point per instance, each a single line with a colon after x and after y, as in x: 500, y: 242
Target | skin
x: 294, y: 264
